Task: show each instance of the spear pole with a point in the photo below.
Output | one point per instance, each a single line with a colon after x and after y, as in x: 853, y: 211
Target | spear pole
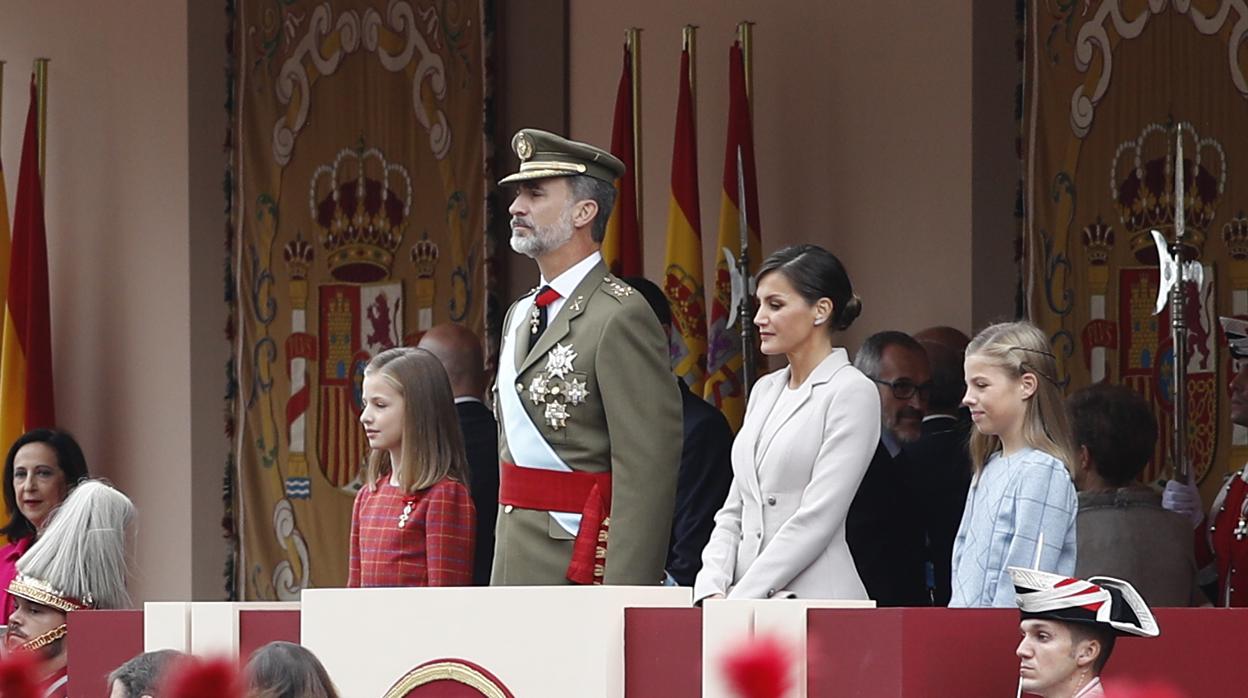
x: 1178, y: 318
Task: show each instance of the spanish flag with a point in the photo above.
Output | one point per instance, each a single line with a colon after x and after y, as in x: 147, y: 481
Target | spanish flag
x: 26, y: 355
x: 724, y: 387
x: 621, y: 248
x: 682, y: 279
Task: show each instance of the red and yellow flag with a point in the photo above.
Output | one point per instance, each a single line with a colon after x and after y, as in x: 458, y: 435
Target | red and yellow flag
x: 26, y: 355
x: 682, y: 278
x: 724, y: 387
x: 4, y: 250
x: 621, y: 248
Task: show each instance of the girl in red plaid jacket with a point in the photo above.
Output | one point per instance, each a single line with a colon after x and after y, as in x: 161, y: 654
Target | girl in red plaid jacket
x: 413, y: 523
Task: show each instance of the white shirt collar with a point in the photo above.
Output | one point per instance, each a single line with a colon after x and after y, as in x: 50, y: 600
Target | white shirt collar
x: 467, y: 398
x: 567, y: 282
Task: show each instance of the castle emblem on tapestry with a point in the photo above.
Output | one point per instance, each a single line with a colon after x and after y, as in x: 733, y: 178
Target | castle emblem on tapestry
x: 1100, y: 112
x: 358, y: 181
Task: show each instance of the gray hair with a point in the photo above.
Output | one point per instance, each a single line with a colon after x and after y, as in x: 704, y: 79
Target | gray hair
x: 82, y: 552
x: 872, y: 350
x: 600, y: 192
x: 141, y: 673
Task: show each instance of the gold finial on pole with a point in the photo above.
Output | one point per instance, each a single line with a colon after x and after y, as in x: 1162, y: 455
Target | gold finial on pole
x: 689, y: 37
x: 745, y: 34
x: 41, y: 92
x: 633, y: 38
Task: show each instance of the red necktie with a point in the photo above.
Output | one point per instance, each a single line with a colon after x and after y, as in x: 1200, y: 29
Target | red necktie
x: 545, y: 297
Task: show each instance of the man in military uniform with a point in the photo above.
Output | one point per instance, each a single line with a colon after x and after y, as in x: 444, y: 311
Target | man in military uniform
x: 589, y: 417
x: 1222, y: 533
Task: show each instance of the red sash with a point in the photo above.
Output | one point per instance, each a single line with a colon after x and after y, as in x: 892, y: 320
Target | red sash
x: 576, y: 492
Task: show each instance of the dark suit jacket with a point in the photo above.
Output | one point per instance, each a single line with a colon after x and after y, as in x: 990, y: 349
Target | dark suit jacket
x: 942, y: 470
x: 884, y: 536
x: 481, y: 444
x: 702, y: 485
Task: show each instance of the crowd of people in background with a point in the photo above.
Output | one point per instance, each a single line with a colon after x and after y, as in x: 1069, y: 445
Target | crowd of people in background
x: 926, y: 469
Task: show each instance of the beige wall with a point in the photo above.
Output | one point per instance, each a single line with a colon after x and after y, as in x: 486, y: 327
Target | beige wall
x: 995, y: 166
x: 121, y: 217
x: 863, y: 118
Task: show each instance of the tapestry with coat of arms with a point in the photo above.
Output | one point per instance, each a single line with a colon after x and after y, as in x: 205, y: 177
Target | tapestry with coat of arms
x: 358, y: 182
x: 1106, y: 85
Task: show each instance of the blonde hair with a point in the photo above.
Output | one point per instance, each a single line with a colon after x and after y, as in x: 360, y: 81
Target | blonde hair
x: 433, y: 446
x: 1019, y: 348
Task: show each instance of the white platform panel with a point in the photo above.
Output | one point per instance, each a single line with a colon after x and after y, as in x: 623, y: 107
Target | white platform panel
x: 541, y: 642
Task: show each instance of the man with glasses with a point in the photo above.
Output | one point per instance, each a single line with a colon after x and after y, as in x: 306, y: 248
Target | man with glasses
x: 884, y: 529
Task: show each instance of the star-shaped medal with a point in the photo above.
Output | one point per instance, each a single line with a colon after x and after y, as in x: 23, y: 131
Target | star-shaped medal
x: 556, y: 415
x: 559, y: 361
x: 575, y: 392
x: 539, y: 388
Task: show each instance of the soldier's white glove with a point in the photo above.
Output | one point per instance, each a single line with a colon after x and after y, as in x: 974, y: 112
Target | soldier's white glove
x: 1183, y: 498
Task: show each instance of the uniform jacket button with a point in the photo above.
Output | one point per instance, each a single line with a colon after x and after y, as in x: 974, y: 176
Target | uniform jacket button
x: 771, y: 501
x: 519, y: 387
x: 771, y: 593
x: 758, y: 535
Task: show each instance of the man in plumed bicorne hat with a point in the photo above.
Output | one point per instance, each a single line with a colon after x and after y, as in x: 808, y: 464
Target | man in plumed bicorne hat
x: 1069, y: 627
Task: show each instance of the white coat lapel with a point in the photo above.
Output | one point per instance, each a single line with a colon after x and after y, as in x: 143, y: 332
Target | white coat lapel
x: 822, y: 374
x: 749, y: 435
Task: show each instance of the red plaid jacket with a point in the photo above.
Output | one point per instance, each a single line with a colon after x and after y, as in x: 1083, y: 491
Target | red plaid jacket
x: 433, y: 548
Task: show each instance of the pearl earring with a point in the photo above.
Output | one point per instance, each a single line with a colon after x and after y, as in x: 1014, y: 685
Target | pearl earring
x: 819, y: 320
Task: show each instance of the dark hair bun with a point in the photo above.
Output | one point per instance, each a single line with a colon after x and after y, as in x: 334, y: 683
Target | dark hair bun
x: 852, y: 309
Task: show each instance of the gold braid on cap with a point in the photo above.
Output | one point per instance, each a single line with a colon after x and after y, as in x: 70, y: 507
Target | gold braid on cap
x: 41, y: 592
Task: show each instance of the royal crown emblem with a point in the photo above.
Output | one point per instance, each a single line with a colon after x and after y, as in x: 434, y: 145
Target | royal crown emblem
x: 1098, y: 240
x: 424, y: 255
x: 298, y: 255
x: 1142, y: 186
x: 361, y: 204
x: 1235, y: 235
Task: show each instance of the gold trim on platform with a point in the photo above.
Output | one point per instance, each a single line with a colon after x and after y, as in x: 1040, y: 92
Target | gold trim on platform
x: 446, y: 671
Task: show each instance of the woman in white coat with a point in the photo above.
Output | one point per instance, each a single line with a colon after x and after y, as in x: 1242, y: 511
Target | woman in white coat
x: 809, y: 434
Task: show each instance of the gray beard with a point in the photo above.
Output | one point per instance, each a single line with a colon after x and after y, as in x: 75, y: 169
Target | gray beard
x: 543, y: 239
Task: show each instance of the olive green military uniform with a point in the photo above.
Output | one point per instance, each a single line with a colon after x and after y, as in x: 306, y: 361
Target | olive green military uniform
x: 597, y: 387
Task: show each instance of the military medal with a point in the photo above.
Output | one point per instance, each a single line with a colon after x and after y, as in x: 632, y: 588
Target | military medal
x: 575, y: 392
x: 559, y: 361
x: 538, y: 389
x: 556, y: 415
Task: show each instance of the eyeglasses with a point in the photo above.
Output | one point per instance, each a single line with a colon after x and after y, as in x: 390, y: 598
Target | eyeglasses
x: 905, y: 388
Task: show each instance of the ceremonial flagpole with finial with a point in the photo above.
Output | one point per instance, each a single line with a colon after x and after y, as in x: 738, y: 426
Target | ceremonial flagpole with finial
x: 1175, y: 276
x: 748, y: 365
